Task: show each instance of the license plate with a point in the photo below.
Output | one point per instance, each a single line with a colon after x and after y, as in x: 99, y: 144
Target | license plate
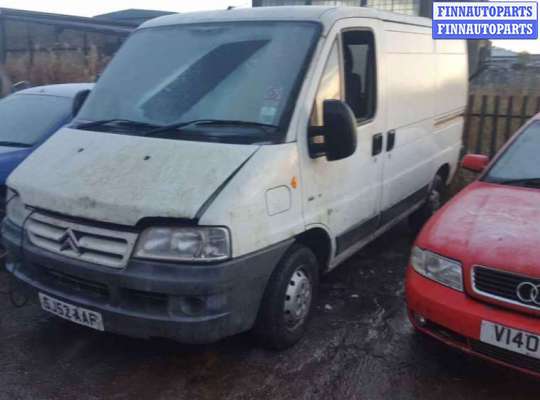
x: 511, y: 339
x: 79, y: 315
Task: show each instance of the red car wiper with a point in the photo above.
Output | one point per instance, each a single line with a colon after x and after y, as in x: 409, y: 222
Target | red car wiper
x: 532, y: 182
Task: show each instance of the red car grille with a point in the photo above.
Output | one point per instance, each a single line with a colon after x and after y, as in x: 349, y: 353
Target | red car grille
x: 502, y: 286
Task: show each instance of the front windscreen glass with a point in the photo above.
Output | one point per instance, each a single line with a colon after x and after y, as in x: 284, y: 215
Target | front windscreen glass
x: 28, y: 118
x: 520, y: 162
x: 244, y: 71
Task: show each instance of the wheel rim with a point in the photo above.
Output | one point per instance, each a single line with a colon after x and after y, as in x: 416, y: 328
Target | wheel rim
x: 297, y: 299
x: 434, y: 200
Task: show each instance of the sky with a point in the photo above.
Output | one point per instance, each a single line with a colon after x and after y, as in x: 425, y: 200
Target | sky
x: 89, y: 8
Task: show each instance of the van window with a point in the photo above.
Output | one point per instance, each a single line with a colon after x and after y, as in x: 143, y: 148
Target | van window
x: 329, y: 87
x: 360, y: 73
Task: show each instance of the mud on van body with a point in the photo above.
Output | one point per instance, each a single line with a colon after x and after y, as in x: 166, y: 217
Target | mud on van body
x: 225, y: 160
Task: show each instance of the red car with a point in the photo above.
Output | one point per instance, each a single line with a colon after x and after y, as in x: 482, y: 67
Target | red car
x: 474, y: 277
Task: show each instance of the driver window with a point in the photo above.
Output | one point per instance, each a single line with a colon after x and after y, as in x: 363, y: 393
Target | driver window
x: 360, y: 74
x: 329, y: 86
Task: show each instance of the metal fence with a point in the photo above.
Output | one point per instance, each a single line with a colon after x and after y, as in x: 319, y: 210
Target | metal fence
x: 491, y: 120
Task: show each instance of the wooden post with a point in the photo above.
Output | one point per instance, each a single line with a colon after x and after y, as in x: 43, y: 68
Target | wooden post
x: 468, y: 117
x: 494, y: 120
x: 509, y: 112
x: 3, y: 47
x: 524, y: 110
x: 478, y: 149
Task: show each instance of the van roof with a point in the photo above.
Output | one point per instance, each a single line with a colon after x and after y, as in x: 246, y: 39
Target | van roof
x: 324, y: 14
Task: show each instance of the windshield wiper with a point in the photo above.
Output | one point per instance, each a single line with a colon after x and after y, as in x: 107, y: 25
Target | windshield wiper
x: 213, y: 122
x: 529, y: 182
x: 115, y: 121
x: 15, y: 144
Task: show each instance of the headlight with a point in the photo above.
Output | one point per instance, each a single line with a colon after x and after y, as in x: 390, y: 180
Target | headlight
x: 184, y: 244
x: 440, y: 269
x: 16, y: 211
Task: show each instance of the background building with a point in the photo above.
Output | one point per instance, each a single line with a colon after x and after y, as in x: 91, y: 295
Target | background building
x: 411, y: 7
x: 42, y: 48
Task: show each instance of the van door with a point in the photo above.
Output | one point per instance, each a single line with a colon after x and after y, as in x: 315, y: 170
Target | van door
x: 344, y: 195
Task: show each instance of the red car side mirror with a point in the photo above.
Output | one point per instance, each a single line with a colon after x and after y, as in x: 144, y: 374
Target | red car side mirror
x: 475, y: 162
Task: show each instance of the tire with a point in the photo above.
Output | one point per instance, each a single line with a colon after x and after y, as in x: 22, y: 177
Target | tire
x: 432, y: 204
x: 289, y: 299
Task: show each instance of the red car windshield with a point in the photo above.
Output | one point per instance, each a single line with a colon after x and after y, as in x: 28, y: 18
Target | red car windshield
x: 520, y: 162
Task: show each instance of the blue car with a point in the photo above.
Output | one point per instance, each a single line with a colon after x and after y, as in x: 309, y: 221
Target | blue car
x: 31, y: 116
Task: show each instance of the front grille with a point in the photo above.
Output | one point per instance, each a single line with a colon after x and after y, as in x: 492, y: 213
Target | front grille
x: 96, y: 245
x: 444, y: 332
x: 59, y: 280
x: 506, y: 356
x: 3, y: 201
x: 91, y: 290
x: 138, y: 300
x: 501, y: 285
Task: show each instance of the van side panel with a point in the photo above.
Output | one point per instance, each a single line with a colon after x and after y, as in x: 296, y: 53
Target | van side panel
x: 452, y: 83
x: 451, y: 75
x: 262, y: 204
x: 411, y: 75
x: 411, y: 97
x: 425, y: 95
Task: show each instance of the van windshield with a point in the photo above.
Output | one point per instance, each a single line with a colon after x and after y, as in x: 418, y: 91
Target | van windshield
x: 247, y: 72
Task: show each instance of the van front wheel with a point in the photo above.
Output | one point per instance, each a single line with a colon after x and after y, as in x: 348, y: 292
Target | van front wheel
x: 433, y: 203
x: 288, y: 300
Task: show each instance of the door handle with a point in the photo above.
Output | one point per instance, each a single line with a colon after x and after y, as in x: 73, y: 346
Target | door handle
x: 390, y: 140
x: 377, y: 144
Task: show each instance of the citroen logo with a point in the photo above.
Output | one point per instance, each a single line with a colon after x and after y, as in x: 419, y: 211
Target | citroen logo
x: 528, y: 292
x: 69, y: 241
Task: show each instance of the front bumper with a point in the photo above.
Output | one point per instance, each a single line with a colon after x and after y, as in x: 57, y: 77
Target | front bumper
x: 455, y: 319
x: 189, y: 303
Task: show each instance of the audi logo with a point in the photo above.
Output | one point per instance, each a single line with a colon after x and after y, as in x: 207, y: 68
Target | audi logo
x: 528, y: 292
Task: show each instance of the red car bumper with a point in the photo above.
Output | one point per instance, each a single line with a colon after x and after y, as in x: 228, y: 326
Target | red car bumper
x: 455, y: 319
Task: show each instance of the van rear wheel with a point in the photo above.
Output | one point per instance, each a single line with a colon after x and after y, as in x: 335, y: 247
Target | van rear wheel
x: 288, y: 300
x: 433, y: 202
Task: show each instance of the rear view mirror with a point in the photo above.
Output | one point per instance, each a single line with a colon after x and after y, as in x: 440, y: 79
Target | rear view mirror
x: 475, y: 162
x: 78, y: 101
x: 337, y: 138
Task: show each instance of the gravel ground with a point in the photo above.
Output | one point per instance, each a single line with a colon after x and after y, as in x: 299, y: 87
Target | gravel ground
x: 359, y: 346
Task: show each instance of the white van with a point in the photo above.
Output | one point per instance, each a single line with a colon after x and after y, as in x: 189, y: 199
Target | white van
x: 225, y: 160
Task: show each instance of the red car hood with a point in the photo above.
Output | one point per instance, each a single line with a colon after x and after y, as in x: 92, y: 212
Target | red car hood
x: 491, y: 225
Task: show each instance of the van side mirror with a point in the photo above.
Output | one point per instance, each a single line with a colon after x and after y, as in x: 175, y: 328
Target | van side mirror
x: 336, y: 139
x: 22, y: 85
x: 78, y: 101
x: 475, y: 162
